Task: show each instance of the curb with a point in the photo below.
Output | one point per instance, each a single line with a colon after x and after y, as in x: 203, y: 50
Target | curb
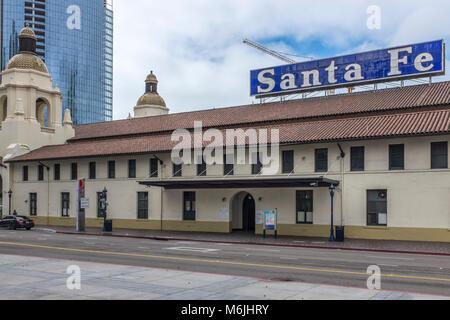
x: 256, y: 243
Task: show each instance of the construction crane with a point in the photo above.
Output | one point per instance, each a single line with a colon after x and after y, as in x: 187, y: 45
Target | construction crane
x: 268, y: 51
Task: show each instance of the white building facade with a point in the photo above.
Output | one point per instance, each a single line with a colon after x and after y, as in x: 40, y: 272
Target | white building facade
x: 386, y: 152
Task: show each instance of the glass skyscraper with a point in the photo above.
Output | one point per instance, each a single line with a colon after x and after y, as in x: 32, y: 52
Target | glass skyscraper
x: 75, y: 40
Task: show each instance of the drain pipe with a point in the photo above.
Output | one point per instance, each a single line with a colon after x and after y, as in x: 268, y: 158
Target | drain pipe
x: 162, y: 204
x: 162, y: 190
x: 48, y: 191
x: 342, y: 183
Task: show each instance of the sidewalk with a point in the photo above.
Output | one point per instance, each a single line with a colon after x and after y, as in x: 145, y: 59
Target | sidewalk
x: 413, y: 247
x: 46, y: 279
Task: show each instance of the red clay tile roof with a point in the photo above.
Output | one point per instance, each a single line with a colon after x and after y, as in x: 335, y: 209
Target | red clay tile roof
x: 368, y: 102
x: 357, y: 128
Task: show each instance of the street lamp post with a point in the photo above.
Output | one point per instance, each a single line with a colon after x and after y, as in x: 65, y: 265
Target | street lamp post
x: 9, y: 195
x: 332, y: 188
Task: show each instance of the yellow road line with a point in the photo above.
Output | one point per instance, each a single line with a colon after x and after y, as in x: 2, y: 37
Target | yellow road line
x: 219, y: 262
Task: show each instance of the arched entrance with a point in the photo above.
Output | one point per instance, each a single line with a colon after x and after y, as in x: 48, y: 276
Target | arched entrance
x: 248, y: 213
x: 243, y: 209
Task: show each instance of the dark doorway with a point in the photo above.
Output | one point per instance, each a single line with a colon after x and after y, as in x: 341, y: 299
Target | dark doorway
x: 248, y: 214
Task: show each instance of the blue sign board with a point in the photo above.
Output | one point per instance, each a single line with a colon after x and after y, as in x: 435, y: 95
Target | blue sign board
x: 399, y: 63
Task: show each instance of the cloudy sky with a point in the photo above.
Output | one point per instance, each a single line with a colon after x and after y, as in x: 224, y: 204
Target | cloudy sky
x: 195, y: 47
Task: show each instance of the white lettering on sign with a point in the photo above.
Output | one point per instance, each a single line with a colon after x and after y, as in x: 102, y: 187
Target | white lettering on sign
x: 353, y: 73
x: 288, y: 82
x: 84, y: 203
x: 421, y: 59
x: 410, y: 61
x: 395, y: 60
x: 267, y: 81
x: 332, y: 72
x: 307, y: 77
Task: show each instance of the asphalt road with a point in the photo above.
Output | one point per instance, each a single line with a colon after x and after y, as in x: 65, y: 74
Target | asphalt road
x: 400, y: 272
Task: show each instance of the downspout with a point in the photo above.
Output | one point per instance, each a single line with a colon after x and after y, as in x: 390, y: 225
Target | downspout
x: 48, y: 196
x: 342, y: 183
x: 48, y: 192
x: 342, y: 191
x: 162, y: 204
x: 162, y: 190
x: 1, y: 190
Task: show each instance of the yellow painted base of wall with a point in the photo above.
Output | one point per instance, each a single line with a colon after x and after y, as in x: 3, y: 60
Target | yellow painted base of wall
x: 54, y: 221
x: 303, y: 230
x: 406, y: 234
x: 194, y: 226
x: 198, y: 226
x: 358, y: 232
x: 320, y: 231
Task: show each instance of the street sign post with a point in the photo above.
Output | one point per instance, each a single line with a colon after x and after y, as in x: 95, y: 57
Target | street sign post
x: 81, y: 205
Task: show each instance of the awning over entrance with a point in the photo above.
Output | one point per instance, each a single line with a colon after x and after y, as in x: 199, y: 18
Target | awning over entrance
x: 317, y: 182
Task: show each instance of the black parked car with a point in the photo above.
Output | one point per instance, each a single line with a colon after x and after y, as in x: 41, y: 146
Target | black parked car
x: 16, y: 222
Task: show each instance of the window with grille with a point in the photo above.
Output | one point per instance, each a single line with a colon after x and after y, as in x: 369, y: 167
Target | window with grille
x: 131, y: 169
x: 65, y: 204
x: 92, y: 170
x: 357, y: 158
x: 288, y: 161
x: 321, y: 160
x: 439, y: 155
x: 33, y: 204
x: 142, y: 205
x: 397, y: 157
x: 111, y: 169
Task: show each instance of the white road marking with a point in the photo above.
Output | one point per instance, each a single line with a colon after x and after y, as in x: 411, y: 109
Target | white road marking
x: 288, y: 258
x: 45, y: 230
x: 387, y: 265
x: 201, y: 250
